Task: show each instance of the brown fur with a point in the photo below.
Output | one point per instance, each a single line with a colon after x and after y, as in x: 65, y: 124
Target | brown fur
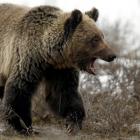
x: 11, y: 17
x: 45, y: 42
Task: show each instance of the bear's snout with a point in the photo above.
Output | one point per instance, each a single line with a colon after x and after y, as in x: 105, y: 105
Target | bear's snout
x: 110, y: 58
x: 107, y: 54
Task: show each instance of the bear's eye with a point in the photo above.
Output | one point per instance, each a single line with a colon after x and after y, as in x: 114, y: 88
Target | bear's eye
x: 102, y: 35
x: 95, y: 39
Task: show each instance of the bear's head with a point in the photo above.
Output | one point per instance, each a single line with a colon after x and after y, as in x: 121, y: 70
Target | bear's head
x: 76, y: 41
x: 85, y: 41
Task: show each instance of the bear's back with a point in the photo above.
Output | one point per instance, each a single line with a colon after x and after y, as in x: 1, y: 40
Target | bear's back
x: 10, y: 15
x: 16, y: 21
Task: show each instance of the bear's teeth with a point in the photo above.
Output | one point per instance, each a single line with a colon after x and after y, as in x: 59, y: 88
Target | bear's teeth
x: 91, y: 69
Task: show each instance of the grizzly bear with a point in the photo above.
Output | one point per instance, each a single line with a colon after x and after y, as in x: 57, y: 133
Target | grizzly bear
x: 46, y: 43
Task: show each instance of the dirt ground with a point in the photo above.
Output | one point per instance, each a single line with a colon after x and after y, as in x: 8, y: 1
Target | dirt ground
x: 54, y: 132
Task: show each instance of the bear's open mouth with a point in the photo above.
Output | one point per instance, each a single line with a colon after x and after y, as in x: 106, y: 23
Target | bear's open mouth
x: 90, y: 68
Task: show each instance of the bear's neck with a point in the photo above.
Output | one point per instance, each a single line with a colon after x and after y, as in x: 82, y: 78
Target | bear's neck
x: 54, y: 50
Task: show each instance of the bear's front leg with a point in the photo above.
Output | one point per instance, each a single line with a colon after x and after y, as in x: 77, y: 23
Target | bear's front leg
x: 75, y: 114
x: 17, y: 101
x: 63, y: 97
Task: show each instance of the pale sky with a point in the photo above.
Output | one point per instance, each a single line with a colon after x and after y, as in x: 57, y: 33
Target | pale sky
x: 127, y: 10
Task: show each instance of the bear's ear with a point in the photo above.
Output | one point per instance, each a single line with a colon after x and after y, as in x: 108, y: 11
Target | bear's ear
x: 93, y: 13
x: 72, y: 22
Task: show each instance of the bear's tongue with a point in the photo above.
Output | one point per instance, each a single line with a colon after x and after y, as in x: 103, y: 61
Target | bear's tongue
x: 90, y: 67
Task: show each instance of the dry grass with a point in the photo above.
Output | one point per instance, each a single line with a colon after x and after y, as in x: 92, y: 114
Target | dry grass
x: 110, y: 115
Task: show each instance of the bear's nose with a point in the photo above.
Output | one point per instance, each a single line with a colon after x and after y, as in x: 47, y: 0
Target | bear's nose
x: 111, y: 57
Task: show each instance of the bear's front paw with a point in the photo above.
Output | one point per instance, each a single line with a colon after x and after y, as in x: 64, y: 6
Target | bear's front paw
x: 74, y: 122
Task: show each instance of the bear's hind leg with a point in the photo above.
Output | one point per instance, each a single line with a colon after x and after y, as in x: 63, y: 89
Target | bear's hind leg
x: 18, y: 105
x: 17, y: 100
x: 2, y: 85
x: 20, y: 114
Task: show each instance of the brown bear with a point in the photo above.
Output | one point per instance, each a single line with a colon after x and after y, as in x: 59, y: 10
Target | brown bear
x: 46, y: 43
